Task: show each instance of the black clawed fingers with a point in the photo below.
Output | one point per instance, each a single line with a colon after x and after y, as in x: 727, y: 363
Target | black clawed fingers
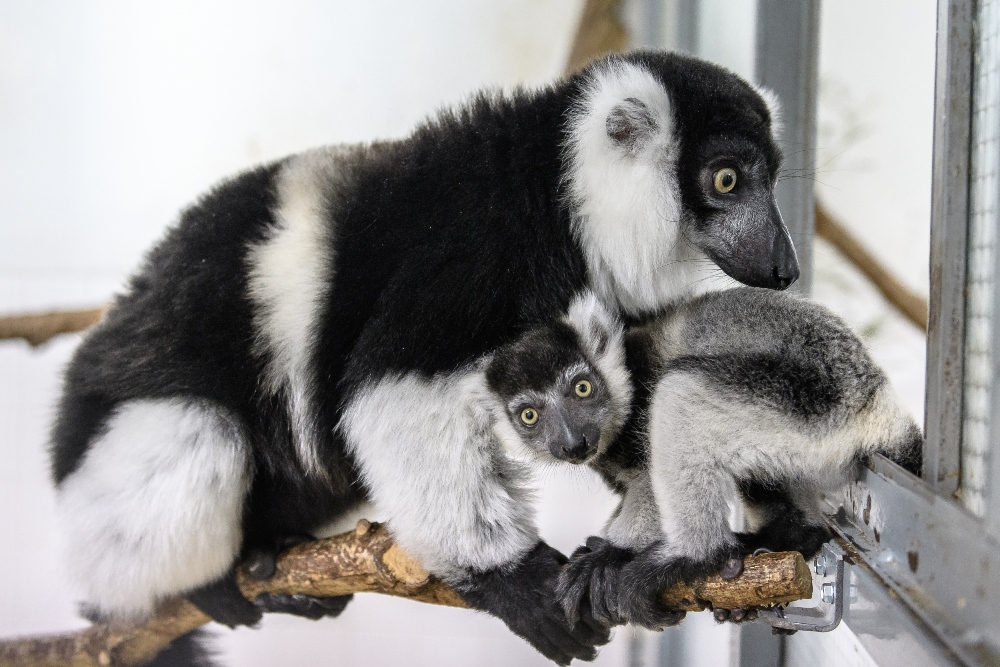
x: 732, y: 568
x: 305, y: 606
x: 526, y: 600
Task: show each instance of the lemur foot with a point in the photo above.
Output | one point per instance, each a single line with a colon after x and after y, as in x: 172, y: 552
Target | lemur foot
x: 615, y: 584
x: 807, y: 539
x: 588, y: 586
x: 306, y: 606
x: 738, y: 615
x: 224, y: 603
x: 525, y: 600
x: 261, y: 563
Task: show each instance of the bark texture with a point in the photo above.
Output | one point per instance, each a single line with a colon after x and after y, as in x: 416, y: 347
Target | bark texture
x: 38, y: 328
x: 366, y: 560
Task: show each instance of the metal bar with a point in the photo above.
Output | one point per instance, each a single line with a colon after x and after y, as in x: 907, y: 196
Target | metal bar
x: 949, y: 229
x: 788, y: 63
x: 933, y: 555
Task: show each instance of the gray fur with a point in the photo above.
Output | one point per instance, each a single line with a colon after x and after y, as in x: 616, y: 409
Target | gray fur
x: 753, y: 396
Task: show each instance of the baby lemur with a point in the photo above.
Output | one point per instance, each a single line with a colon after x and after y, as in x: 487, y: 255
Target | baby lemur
x: 744, y: 395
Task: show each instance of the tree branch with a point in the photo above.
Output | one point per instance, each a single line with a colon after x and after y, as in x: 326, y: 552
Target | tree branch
x: 912, y: 305
x: 367, y: 560
x: 38, y: 328
x: 600, y: 32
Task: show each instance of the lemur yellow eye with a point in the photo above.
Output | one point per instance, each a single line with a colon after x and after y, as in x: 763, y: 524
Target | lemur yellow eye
x: 583, y: 389
x: 529, y: 416
x: 725, y: 180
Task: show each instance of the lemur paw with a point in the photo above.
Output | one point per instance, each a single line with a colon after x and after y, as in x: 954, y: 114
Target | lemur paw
x: 524, y: 598
x: 224, y: 603
x: 588, y: 586
x: 261, y: 562
x: 306, y: 606
x: 614, y: 584
x: 807, y: 539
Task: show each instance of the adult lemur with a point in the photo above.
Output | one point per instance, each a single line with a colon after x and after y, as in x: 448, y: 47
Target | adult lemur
x: 301, y: 339
x: 744, y: 394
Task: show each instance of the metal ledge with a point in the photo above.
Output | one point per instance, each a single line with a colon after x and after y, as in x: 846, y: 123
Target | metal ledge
x: 931, y: 554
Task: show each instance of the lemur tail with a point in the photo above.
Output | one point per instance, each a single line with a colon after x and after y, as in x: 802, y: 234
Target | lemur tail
x: 909, y: 450
x: 186, y: 651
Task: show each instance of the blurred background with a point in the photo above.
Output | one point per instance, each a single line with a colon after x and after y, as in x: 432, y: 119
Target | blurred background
x: 114, y: 115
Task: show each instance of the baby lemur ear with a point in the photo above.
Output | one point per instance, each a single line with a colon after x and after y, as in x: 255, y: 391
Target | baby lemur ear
x: 631, y: 124
x: 594, y: 323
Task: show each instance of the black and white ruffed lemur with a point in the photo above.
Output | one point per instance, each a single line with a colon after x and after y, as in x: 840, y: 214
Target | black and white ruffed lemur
x: 743, y: 395
x: 302, y: 339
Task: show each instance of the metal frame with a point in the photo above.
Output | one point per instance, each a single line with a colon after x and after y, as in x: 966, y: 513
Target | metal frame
x: 788, y: 63
x: 932, y: 554
x: 949, y: 229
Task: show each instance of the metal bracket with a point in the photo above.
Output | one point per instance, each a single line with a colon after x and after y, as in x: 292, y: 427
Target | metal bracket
x: 826, y: 615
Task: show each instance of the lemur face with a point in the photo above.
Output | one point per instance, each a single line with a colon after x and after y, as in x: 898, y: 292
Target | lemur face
x: 671, y: 161
x: 732, y: 214
x: 554, y: 401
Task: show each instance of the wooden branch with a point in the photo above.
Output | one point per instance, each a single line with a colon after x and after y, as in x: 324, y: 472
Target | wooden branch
x: 912, y: 305
x: 38, y: 328
x: 600, y: 32
x: 366, y: 560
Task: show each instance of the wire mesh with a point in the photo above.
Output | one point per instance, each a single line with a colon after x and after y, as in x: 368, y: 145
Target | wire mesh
x: 981, y: 349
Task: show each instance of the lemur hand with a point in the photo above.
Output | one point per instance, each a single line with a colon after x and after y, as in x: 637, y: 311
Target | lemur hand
x: 223, y: 601
x: 615, y: 586
x: 524, y: 598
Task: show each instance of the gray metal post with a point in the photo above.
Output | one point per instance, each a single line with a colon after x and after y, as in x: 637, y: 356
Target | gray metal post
x: 949, y: 231
x: 788, y: 63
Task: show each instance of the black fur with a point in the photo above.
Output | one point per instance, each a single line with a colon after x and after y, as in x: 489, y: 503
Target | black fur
x: 611, y: 585
x: 524, y: 594
x: 188, y: 650
x: 446, y: 245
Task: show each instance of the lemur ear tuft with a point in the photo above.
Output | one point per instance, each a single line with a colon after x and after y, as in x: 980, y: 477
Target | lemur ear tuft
x: 594, y: 323
x: 601, y: 338
x: 631, y: 124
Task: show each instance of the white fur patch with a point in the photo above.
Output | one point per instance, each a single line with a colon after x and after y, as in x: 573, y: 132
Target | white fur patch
x: 436, y: 471
x: 636, y: 523
x: 627, y: 208
x: 155, y: 507
x: 773, y: 103
x: 603, y: 335
x: 703, y: 439
x: 289, y: 277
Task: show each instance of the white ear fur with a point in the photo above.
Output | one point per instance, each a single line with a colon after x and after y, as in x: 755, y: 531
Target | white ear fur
x: 598, y: 328
x: 773, y: 103
x: 603, y: 338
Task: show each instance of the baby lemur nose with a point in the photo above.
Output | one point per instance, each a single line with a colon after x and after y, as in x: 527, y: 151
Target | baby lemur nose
x: 577, y: 451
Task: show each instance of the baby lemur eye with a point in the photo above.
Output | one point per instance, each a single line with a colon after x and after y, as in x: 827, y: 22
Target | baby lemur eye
x: 529, y: 416
x: 583, y: 388
x: 725, y: 180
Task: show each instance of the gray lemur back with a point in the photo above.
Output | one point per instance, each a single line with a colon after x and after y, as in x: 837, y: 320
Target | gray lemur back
x: 740, y: 395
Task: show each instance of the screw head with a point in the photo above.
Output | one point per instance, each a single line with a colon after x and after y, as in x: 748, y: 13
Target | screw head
x: 829, y: 593
x: 819, y: 565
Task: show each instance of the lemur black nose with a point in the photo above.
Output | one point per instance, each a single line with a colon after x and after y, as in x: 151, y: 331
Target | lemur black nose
x: 783, y: 278
x: 576, y: 452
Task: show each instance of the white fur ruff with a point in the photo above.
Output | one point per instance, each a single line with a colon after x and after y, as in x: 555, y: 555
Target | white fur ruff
x: 627, y: 208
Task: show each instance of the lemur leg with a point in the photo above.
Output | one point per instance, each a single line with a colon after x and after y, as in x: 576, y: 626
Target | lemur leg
x: 590, y: 585
x: 455, y: 502
x: 155, y: 508
x: 692, y: 456
x: 783, y: 519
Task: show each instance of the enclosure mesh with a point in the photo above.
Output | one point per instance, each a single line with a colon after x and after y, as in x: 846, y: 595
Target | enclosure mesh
x: 980, y: 425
